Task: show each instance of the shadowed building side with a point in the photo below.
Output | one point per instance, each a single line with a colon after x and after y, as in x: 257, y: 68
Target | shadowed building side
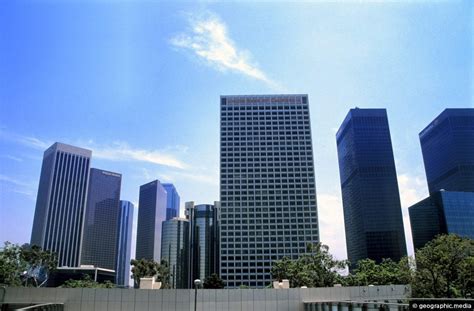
x: 124, y: 243
x: 371, y: 201
x: 447, y: 145
x: 151, y: 214
x: 99, y: 246
x: 61, y: 202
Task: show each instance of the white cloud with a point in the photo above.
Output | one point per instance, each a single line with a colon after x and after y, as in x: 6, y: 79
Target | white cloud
x: 209, y: 40
x: 118, y: 151
x: 14, y: 181
x: 20, y: 186
x: 331, y: 224
x: 123, y: 152
x: 412, y: 190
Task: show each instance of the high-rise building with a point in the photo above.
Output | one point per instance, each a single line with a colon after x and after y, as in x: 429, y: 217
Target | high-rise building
x: 370, y: 196
x: 151, y: 214
x: 267, y: 185
x: 124, y: 243
x: 61, y: 202
x: 447, y: 144
x: 443, y: 212
x: 100, y: 235
x: 204, y: 240
x: 172, y: 201
x: 175, y: 250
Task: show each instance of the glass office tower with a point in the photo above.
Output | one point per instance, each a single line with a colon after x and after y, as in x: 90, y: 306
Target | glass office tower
x: 442, y: 212
x: 61, y: 202
x: 204, y: 240
x: 172, y: 201
x: 124, y: 243
x: 267, y: 185
x: 175, y: 250
x: 101, y: 221
x: 370, y: 197
x: 151, y: 214
x: 447, y: 144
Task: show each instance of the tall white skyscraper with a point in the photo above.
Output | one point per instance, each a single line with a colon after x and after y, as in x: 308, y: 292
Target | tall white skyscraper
x: 267, y: 185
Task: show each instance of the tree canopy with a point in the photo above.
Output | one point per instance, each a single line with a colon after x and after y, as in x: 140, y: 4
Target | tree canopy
x: 87, y: 282
x: 26, y: 265
x: 316, y: 268
x: 445, y: 268
x: 214, y: 281
x: 150, y: 268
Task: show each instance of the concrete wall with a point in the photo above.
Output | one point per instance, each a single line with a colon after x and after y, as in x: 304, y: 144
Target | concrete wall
x: 87, y: 299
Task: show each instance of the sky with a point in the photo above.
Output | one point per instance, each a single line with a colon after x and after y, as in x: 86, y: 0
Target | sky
x: 138, y: 83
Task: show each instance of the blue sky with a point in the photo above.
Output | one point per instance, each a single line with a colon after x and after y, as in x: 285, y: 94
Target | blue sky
x: 138, y: 82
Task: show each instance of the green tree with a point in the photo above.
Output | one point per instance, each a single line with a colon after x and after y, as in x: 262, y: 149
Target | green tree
x: 12, y: 265
x: 368, y: 272
x: 214, y: 281
x: 150, y: 268
x: 25, y: 265
x: 445, y: 268
x: 316, y: 268
x: 163, y: 274
x: 87, y: 282
x: 40, y: 264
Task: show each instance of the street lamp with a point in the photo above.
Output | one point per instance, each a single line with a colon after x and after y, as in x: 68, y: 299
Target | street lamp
x: 197, y: 283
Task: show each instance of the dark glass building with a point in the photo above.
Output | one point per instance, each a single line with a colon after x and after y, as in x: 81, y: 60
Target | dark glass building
x: 172, y: 201
x: 124, y: 243
x: 447, y: 144
x: 175, y: 250
x: 267, y: 185
x: 370, y: 197
x: 443, y: 212
x: 151, y: 214
x: 100, y: 236
x: 61, y: 202
x: 204, y: 240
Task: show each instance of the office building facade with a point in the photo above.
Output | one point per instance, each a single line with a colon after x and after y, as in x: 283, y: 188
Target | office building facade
x: 101, y: 221
x: 443, y: 212
x: 151, y: 214
x: 61, y: 202
x: 172, y: 201
x: 124, y: 244
x: 371, y: 201
x: 204, y: 240
x: 175, y: 250
x: 267, y: 185
x: 447, y: 144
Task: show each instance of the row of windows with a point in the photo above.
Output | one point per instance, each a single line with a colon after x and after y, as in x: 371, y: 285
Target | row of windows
x: 276, y: 135
x: 271, y: 164
x: 258, y: 233
x: 268, y: 136
x: 270, y: 218
x: 253, y: 107
x: 258, y: 126
x: 272, y: 145
x: 265, y: 112
x: 269, y: 170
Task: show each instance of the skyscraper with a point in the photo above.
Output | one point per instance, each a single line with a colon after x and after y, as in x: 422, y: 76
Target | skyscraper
x: 204, y: 239
x: 61, y: 202
x: 172, y: 201
x: 175, y: 250
x: 447, y: 144
x: 370, y: 197
x: 442, y: 212
x: 151, y: 214
x: 124, y: 243
x: 100, y: 235
x: 267, y: 185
